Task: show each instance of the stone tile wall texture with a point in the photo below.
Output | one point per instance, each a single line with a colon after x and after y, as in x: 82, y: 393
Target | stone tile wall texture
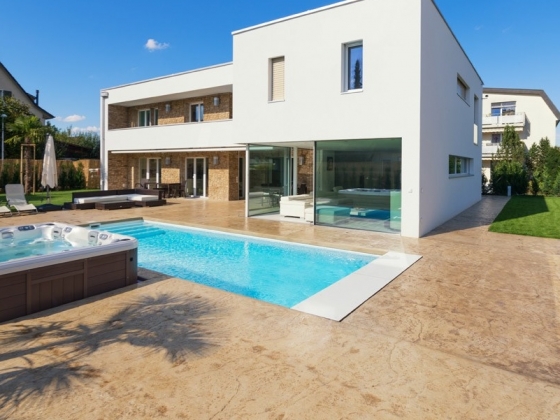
x: 179, y: 111
x: 222, y: 178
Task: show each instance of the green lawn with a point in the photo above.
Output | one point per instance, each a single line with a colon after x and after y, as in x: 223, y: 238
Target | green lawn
x: 57, y: 197
x: 531, y: 216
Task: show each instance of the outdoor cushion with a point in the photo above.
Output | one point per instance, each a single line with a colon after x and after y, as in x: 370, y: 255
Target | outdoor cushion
x: 141, y: 197
x: 99, y: 198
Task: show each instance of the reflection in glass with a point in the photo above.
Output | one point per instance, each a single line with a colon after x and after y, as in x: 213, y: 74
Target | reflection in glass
x: 358, y: 184
x: 269, y: 178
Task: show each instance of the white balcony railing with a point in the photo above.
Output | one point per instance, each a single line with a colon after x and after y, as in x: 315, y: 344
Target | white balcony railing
x: 500, y: 121
x: 489, y: 148
x: 210, y: 134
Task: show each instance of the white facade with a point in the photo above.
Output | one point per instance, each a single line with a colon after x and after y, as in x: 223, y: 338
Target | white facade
x: 410, y: 84
x: 409, y: 92
x: 530, y: 111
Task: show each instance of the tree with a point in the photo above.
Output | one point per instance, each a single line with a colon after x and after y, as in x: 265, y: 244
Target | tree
x: 357, y: 75
x: 12, y: 108
x: 545, y: 165
x: 26, y: 130
x: 509, y: 165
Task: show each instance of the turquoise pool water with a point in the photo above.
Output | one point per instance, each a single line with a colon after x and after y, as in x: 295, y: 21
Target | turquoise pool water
x: 273, y: 271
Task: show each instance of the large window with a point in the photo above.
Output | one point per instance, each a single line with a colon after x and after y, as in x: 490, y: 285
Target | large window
x: 144, y: 118
x: 353, y: 66
x: 197, y: 112
x: 503, y: 108
x: 277, y: 79
x: 459, y: 165
x: 269, y: 178
x: 358, y: 184
x: 147, y: 117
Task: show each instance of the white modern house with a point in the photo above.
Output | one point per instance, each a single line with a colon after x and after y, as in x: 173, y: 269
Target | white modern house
x: 336, y: 115
x: 529, y: 111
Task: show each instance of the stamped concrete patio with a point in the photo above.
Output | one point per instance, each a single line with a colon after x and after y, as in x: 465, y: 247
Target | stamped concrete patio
x: 471, y: 331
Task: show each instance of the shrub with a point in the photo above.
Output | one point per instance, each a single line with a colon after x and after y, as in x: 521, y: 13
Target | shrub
x: 506, y: 173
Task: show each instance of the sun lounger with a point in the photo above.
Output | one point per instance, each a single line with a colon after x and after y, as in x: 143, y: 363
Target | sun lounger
x: 16, y: 199
x: 5, y: 211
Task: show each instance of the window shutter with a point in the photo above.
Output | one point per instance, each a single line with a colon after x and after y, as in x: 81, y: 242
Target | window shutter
x: 277, y: 88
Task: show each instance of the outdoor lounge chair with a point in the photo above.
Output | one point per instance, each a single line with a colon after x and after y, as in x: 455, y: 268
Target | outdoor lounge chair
x: 5, y: 211
x: 16, y: 199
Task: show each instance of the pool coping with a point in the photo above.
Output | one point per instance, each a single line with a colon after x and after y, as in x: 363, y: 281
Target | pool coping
x: 340, y: 299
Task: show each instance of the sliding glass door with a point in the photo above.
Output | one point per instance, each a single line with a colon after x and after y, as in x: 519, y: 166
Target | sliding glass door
x: 196, y: 180
x: 150, y: 172
x: 269, y: 178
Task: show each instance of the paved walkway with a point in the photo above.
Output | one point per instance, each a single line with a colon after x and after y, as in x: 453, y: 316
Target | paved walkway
x: 472, y: 330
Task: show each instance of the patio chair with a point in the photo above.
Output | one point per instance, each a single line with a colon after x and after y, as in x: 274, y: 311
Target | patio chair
x: 5, y: 211
x: 16, y: 199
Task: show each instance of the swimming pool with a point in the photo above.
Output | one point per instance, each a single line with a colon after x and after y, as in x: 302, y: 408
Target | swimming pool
x: 278, y: 272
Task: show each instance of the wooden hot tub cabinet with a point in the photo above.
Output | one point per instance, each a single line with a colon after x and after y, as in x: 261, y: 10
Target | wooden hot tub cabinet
x: 28, y: 291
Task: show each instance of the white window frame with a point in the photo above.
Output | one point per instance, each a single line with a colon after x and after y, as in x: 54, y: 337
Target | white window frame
x: 505, y: 108
x: 462, y: 166
x: 347, y: 66
x: 198, y: 104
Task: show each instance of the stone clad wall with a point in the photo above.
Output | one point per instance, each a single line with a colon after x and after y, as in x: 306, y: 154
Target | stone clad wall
x: 223, y: 184
x: 118, y: 117
x: 179, y: 111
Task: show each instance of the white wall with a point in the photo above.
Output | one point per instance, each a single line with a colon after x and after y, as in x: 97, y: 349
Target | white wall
x: 315, y: 108
x: 541, y: 121
x: 172, y: 86
x: 172, y: 136
x: 447, y: 124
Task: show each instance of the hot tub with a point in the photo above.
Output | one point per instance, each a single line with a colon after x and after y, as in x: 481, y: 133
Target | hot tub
x: 50, y: 264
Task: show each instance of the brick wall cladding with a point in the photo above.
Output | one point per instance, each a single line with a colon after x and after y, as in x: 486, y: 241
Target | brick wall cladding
x: 179, y: 112
x: 118, y: 117
x: 117, y: 172
x: 305, y: 171
x: 222, y: 182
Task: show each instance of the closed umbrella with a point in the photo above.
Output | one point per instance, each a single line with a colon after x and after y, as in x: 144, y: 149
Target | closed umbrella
x: 49, y: 178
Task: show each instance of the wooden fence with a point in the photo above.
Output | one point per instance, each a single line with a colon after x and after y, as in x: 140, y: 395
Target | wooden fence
x: 90, y: 167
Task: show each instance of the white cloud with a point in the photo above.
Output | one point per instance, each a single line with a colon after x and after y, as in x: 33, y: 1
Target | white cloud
x: 72, y: 118
x: 90, y: 128
x: 478, y: 27
x: 153, y: 45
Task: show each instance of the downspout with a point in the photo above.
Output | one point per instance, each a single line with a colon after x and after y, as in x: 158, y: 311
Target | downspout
x: 102, y: 147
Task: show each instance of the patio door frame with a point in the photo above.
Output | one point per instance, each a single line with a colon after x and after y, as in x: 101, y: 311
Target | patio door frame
x: 153, y: 171
x: 191, y: 187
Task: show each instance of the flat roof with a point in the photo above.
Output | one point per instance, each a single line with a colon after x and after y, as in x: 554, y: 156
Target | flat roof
x: 168, y: 76
x: 346, y: 3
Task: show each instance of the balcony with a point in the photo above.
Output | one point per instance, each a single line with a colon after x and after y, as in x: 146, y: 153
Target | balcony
x: 496, y: 124
x: 211, y: 134
x: 489, y: 149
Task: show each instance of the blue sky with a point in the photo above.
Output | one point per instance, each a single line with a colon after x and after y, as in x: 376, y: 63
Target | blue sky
x: 71, y: 49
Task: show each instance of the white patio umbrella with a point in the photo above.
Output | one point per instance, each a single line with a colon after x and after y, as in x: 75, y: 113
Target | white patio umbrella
x: 49, y: 178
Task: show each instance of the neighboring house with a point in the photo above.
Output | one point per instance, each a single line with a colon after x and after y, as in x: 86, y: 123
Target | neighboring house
x: 529, y: 111
x: 380, y: 125
x: 9, y: 87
